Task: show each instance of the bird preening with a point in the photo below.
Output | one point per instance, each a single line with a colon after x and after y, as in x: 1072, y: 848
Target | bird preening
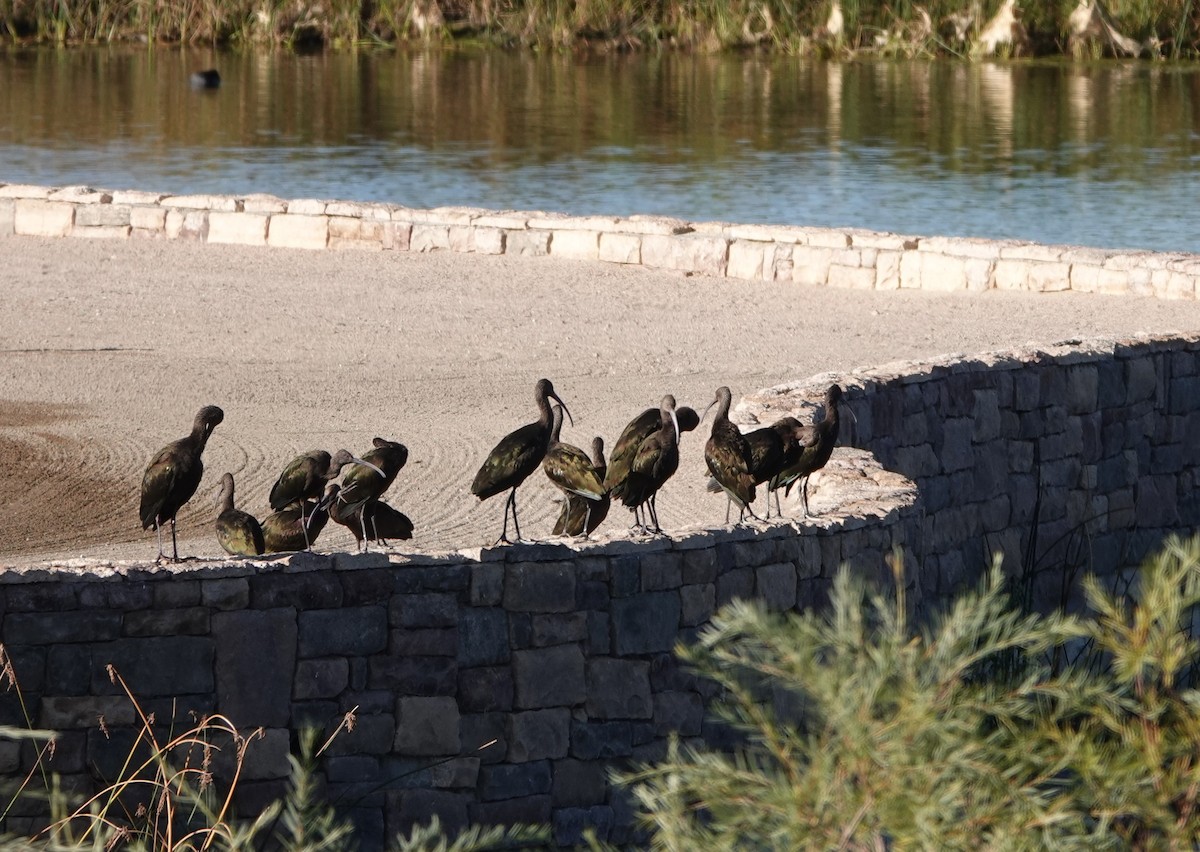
x: 316, y: 487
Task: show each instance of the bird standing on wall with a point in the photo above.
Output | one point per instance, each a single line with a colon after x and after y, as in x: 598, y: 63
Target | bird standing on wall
x: 570, y: 469
x: 237, y: 531
x: 173, y: 475
x: 818, y: 442
x: 792, y: 435
x: 655, y: 462
x: 294, y: 527
x: 517, y: 455
x: 379, y: 522
x: 366, y: 482
x: 304, y: 479
x: 639, y: 429
x: 728, y: 455
x: 579, y: 515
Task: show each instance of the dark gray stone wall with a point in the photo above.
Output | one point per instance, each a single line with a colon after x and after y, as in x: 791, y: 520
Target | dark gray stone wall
x: 502, y: 685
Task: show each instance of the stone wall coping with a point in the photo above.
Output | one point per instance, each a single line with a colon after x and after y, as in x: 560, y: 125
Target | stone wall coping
x: 805, y: 255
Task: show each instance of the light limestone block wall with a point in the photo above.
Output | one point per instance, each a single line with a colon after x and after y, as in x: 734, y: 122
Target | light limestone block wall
x: 823, y: 257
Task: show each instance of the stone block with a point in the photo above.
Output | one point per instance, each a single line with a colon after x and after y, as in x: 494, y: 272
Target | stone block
x: 662, y: 571
x: 620, y: 248
x: 486, y: 689
x: 734, y: 585
x: 580, y: 783
x: 7, y: 217
x: 429, y: 237
x: 646, y: 623
x: 186, y: 225
x: 427, y: 642
x: 288, y: 230
x: 549, y: 677
x: 746, y: 260
x: 255, y: 659
x: 483, y: 637
x: 353, y: 631
x: 190, y: 621
x: 540, y: 587
x: 618, y: 689
x: 316, y: 590
x: 372, y: 734
x: 157, y: 665
x: 36, y: 218
x: 851, y: 278
x: 688, y: 253
x: 539, y: 735
x: 427, y: 726
x: 409, y: 675
x: 487, y: 584
x: 603, y: 740
x: 226, y: 593
x: 527, y: 243
x: 246, y: 229
x: 418, y: 807
x: 775, y: 585
x: 699, y: 566
x: 60, y: 712
x: 423, y: 610
x: 570, y: 825
x: 148, y: 219
x: 697, y: 604
x: 575, y: 245
x: 678, y: 712
x: 810, y: 265
x: 321, y: 678
x: 559, y: 629
x: 49, y: 628
x: 101, y: 216
x: 510, y: 781
x: 487, y: 241
x: 223, y: 203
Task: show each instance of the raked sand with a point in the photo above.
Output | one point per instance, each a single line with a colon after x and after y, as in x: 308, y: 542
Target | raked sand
x: 108, y: 349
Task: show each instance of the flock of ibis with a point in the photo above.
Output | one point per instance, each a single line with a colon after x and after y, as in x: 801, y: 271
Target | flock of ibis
x: 307, y: 495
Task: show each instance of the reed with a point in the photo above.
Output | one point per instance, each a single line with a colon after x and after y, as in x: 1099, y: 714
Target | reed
x: 905, y: 28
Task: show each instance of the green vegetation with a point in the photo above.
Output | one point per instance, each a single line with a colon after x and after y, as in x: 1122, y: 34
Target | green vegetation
x: 989, y: 726
x: 1162, y: 27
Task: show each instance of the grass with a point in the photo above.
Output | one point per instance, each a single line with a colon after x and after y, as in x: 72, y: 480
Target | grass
x: 871, y: 26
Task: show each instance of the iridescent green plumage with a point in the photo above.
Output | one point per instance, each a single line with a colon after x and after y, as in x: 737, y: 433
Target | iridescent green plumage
x: 579, y: 515
x: 174, y: 474
x: 238, y: 532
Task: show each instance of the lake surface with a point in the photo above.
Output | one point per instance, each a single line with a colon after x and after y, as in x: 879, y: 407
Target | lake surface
x: 1104, y: 155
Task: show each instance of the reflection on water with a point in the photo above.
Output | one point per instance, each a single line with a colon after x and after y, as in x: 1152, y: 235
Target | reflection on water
x: 1097, y: 155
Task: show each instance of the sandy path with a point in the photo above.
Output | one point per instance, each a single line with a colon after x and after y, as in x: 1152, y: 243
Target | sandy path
x: 108, y: 349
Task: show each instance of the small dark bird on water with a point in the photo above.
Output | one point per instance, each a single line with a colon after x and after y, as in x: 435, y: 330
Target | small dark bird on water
x: 727, y: 455
x: 238, y: 532
x: 517, y: 455
x: 173, y: 475
x: 366, y: 482
x: 293, y: 528
x: 819, y: 441
x: 209, y: 78
x: 579, y: 515
x: 570, y: 469
x: 655, y: 462
x: 305, y: 476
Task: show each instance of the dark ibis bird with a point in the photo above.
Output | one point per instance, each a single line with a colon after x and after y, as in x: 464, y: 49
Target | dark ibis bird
x: 579, y: 515
x: 639, y: 429
x: 367, y: 481
x: 305, y: 477
x: 209, y: 78
x: 727, y: 455
x: 174, y: 474
x: 571, y: 470
x: 655, y: 462
x: 294, y: 527
x: 378, y: 522
x: 517, y: 455
x: 818, y: 440
x: 794, y: 436
x: 237, y: 531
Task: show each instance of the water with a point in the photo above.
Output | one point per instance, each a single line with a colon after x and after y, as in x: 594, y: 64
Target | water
x: 1103, y: 155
